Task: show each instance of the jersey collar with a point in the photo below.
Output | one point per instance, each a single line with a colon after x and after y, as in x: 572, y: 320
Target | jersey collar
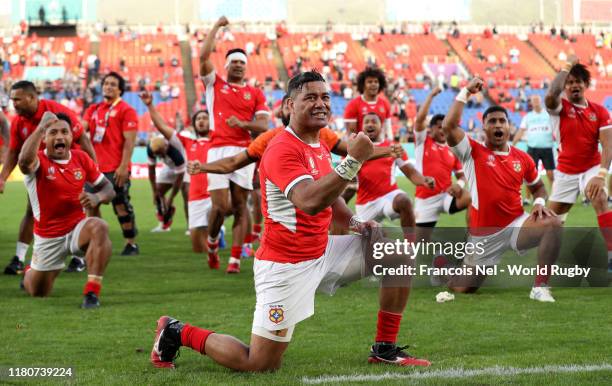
x: 368, y: 102
x: 60, y: 161
x: 290, y: 130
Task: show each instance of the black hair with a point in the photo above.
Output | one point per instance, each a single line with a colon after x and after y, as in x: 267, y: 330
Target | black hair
x: 371, y: 72
x: 195, y: 115
x: 24, y: 85
x: 296, y: 83
x: 580, y: 71
x: 65, y: 118
x: 494, y: 109
x: 435, y: 119
x: 235, y: 50
x: 119, y: 78
x: 372, y: 113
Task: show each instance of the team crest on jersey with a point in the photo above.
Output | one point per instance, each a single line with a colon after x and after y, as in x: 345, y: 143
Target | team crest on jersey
x: 225, y: 89
x: 381, y: 109
x: 247, y: 96
x: 24, y: 131
x: 78, y: 175
x: 571, y: 113
x: 491, y: 160
x: 517, y: 166
x: 276, y: 314
x: 51, y: 173
x: 592, y: 117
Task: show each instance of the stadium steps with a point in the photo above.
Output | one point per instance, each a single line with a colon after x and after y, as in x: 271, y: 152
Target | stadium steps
x: 280, y: 64
x: 190, y: 90
x: 537, y: 50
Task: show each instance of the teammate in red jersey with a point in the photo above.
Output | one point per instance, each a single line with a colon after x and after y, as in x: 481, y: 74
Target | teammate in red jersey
x: 582, y: 126
x: 196, y: 150
x: 495, y: 172
x: 236, y: 109
x: 435, y: 159
x: 54, y: 178
x: 378, y: 195
x: 297, y: 257
x: 370, y: 83
x: 113, y: 125
x: 30, y: 109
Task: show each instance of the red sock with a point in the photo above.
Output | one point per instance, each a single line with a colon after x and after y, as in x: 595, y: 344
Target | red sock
x: 92, y: 286
x: 388, y: 326
x: 540, y: 279
x: 256, y: 229
x: 410, y: 236
x: 236, y: 251
x: 195, y: 338
x: 605, y: 227
x: 212, y: 247
x: 248, y: 238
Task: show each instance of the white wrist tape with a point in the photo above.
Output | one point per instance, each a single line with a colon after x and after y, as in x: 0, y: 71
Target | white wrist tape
x: 355, y: 224
x: 348, y: 168
x: 463, y: 95
x: 461, y: 183
x: 539, y: 201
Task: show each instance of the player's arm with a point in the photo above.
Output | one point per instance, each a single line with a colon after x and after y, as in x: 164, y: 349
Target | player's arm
x: 156, y: 117
x: 258, y: 125
x: 539, y: 210
x: 552, y: 100
x: 176, y: 187
x: 28, y: 157
x: 417, y: 178
x: 394, y: 150
x: 221, y: 166
x: 152, y: 161
x: 206, y: 66
x: 351, y: 127
x: 450, y: 125
x: 518, y: 136
x: 314, y: 196
x: 130, y: 127
x: 419, y: 123
x: 104, y: 193
x: 177, y: 157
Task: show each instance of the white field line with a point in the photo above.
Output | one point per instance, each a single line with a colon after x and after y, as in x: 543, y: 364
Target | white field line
x: 457, y: 373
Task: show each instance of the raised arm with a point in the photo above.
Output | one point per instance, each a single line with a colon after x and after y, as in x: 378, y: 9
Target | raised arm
x: 156, y: 117
x: 206, y: 66
x: 450, y: 125
x: 28, y: 157
x: 419, y: 123
x: 553, y: 96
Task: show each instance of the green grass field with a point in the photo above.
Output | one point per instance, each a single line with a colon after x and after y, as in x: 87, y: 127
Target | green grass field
x: 111, y: 345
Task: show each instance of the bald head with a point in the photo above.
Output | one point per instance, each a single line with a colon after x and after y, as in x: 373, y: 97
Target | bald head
x: 159, y: 146
x: 536, y: 103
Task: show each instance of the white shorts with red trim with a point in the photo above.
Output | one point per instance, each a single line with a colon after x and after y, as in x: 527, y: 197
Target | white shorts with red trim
x: 241, y: 177
x: 198, y: 212
x: 380, y: 208
x: 285, y: 292
x: 567, y: 187
x: 429, y: 209
x: 49, y: 253
x: 496, y: 244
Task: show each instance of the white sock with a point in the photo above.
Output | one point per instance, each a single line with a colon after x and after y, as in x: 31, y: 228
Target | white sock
x: 233, y: 260
x: 21, y: 251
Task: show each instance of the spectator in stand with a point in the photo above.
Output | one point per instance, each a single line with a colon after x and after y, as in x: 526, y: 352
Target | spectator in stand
x: 514, y: 54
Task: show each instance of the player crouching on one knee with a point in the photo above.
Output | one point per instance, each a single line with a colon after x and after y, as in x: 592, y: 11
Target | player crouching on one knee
x: 495, y: 172
x: 378, y: 195
x: 54, y: 178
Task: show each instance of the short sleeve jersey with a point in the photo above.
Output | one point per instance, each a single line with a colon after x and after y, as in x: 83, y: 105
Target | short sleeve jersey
x: 434, y: 160
x: 377, y: 177
x: 358, y: 107
x: 54, y: 189
x: 197, y: 150
x: 115, y: 118
x: 227, y: 99
x: 22, y: 127
x: 538, y: 129
x: 495, y: 180
x: 291, y: 235
x: 578, y: 130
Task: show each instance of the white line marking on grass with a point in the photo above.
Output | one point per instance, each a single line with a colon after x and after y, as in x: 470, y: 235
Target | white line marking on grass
x: 457, y: 373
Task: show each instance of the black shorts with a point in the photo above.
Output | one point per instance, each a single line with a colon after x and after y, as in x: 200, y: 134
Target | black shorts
x: 542, y: 153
